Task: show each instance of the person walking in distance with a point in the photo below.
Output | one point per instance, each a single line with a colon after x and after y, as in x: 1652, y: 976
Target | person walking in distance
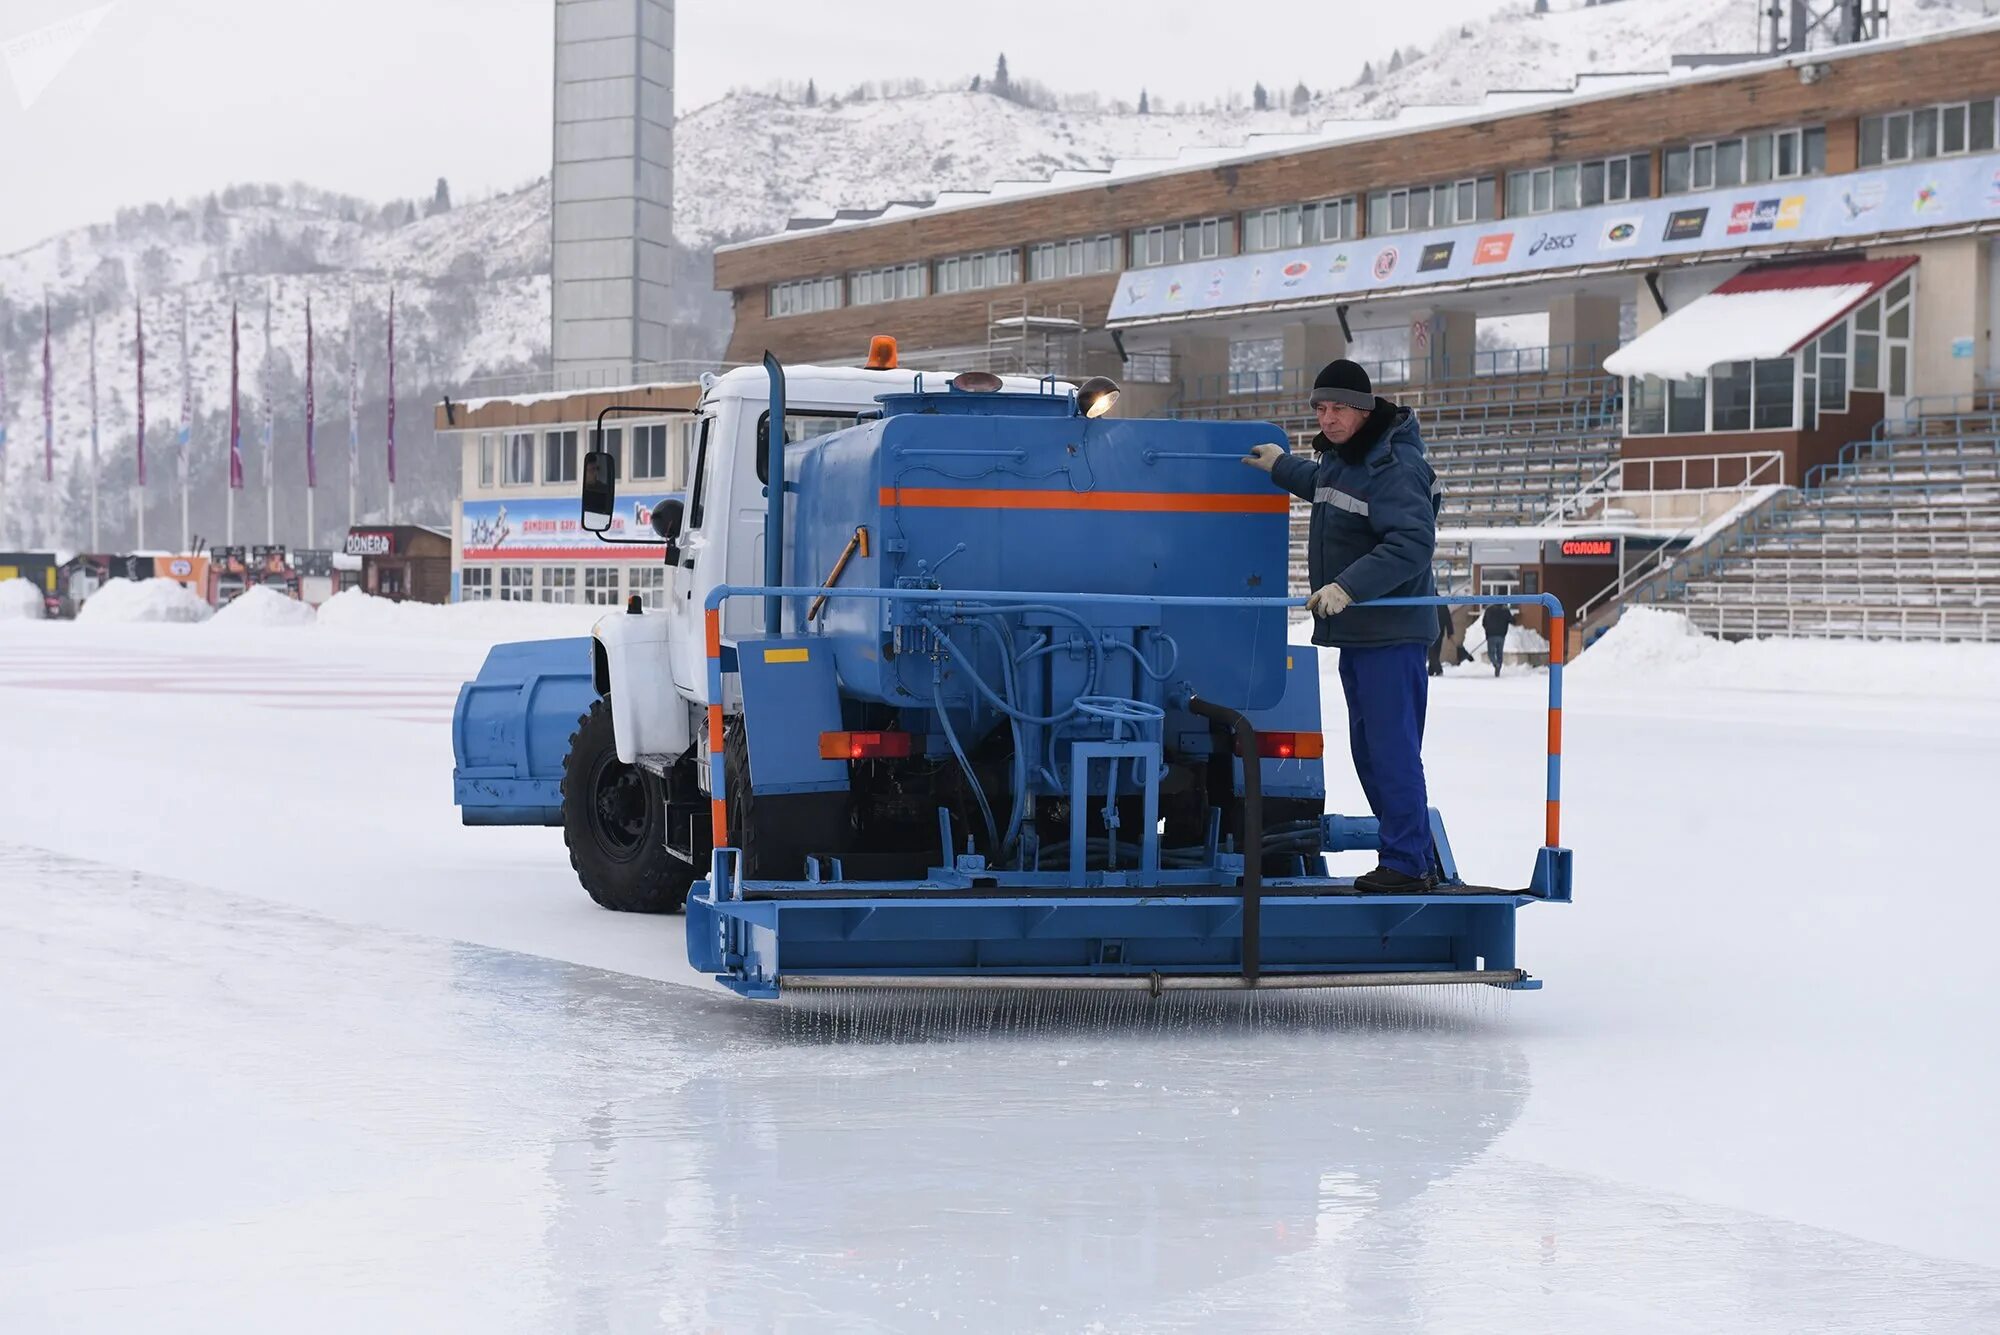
x: 1375, y: 504
x: 1496, y: 619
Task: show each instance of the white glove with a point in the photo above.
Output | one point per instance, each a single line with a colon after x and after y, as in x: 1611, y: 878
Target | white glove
x: 1264, y: 456
x: 1329, y: 600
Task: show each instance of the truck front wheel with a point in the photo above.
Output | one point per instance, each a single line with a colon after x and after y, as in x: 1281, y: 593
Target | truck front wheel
x: 615, y: 824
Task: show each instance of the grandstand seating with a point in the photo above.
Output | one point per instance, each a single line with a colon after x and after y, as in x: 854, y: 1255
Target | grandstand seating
x: 1900, y: 538
x: 1508, y: 449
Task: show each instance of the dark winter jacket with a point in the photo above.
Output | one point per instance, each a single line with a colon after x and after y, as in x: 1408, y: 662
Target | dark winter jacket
x: 1374, y: 526
x: 1496, y: 618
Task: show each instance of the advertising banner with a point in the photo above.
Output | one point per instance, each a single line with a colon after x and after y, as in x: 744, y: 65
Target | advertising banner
x: 550, y: 529
x: 1938, y: 193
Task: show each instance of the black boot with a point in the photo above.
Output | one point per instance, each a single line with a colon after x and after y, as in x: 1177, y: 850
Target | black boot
x: 1389, y: 881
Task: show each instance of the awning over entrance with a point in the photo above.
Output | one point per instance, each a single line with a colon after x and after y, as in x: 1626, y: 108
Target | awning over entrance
x: 1763, y: 312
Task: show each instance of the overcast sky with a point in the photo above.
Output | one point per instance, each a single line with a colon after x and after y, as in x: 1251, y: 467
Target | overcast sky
x: 173, y: 98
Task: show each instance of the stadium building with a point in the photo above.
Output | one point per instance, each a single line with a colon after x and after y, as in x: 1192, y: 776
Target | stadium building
x: 1757, y: 378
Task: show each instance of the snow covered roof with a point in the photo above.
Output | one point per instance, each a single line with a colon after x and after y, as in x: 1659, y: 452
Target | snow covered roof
x: 1494, y: 104
x: 854, y: 386
x: 1764, y: 312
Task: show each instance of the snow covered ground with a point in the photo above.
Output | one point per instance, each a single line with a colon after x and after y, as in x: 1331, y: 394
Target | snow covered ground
x: 285, y: 1047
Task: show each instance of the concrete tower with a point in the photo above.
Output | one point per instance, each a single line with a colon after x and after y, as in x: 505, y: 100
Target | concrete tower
x: 613, y: 183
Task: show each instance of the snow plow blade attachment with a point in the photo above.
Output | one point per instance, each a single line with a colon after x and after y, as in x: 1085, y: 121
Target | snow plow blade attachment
x: 1158, y: 983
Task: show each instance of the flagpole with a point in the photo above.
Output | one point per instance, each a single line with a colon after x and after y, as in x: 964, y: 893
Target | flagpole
x: 96, y: 545
x: 139, y: 487
x: 353, y: 413
x: 392, y: 406
x: 312, y: 424
x: 270, y: 425
x: 235, y: 432
x: 187, y: 426
x: 48, y: 425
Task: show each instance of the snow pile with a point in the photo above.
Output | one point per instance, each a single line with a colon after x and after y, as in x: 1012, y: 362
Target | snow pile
x: 259, y: 606
x: 353, y: 612
x: 144, y: 600
x: 19, y: 601
x: 1648, y: 645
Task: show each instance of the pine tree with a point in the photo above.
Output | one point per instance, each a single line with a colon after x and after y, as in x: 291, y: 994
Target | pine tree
x: 1259, y: 99
x: 440, y: 200
x: 1541, y: 6
x: 1395, y: 61
x: 1367, y: 75
x: 1301, y: 99
x: 1144, y: 106
x: 975, y: 83
x: 1000, y: 74
x: 812, y: 93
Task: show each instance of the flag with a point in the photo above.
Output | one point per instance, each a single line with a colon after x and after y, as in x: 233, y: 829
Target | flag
x: 235, y: 407
x: 392, y: 386
x: 264, y: 378
x: 187, y: 399
x: 139, y: 321
x: 312, y: 462
x: 353, y: 404
x: 48, y: 400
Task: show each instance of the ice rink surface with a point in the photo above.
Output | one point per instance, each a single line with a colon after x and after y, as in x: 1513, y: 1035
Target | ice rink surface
x: 287, y: 1048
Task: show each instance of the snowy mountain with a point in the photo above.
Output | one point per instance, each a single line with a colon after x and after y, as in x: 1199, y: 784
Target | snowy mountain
x: 472, y: 282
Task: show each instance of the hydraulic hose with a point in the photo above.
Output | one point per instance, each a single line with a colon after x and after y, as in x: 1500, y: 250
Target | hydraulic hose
x: 1253, y: 827
x: 971, y: 776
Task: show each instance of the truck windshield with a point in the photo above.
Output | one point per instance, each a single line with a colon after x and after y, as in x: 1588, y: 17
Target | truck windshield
x: 697, y: 491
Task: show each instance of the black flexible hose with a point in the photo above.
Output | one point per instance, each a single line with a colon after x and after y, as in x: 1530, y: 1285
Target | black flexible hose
x: 1253, y: 827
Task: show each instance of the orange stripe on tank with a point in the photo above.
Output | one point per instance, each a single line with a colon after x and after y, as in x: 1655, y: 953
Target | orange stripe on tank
x: 1129, y: 502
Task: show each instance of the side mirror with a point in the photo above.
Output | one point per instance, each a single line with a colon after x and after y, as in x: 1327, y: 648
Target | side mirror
x: 667, y: 518
x: 600, y: 490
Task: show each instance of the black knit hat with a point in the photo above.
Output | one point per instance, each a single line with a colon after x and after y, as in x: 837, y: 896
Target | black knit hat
x: 1344, y: 382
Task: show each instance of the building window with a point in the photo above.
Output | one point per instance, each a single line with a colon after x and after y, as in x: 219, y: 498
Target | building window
x: 649, y: 452
x: 977, y: 272
x: 1419, y: 208
x: 1580, y: 185
x: 1939, y: 131
x: 1298, y: 225
x: 1772, y: 155
x: 611, y: 441
x: 475, y: 584
x: 520, y: 459
x: 894, y: 282
x: 1149, y: 367
x: 650, y: 584
x: 1208, y: 239
x: 1255, y: 365
x: 600, y: 586
x: 803, y: 296
x: 558, y: 584
x: 1074, y: 258
x: 489, y: 459
x: 559, y: 456
x: 517, y: 584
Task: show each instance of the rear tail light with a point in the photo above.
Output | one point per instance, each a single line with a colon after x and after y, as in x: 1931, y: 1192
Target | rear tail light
x: 1291, y: 745
x: 864, y: 745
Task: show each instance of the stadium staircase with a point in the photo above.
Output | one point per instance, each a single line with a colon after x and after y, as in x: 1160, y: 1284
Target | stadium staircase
x: 1508, y: 449
x: 1899, y: 538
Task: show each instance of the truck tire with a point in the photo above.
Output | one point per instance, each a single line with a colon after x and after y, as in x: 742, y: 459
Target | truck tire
x: 776, y: 833
x: 615, y: 825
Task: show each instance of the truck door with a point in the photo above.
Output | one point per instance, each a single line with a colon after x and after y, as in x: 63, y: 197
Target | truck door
x: 685, y: 588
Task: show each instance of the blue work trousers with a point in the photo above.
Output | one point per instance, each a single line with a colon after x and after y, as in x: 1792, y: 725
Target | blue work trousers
x: 1387, y: 689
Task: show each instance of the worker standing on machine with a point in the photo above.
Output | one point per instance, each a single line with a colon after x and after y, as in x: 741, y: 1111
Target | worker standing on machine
x: 1375, y: 504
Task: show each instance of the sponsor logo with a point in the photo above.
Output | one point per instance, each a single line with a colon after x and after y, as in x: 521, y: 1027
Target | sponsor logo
x: 1175, y: 293
x: 1766, y: 217
x: 1685, y: 224
x: 1791, y: 211
x: 1928, y: 200
x: 1294, y: 273
x: 1549, y: 241
x: 180, y: 567
x: 1435, y: 256
x: 1385, y: 262
x: 1863, y: 198
x: 1338, y: 264
x: 1762, y: 215
x: 1621, y: 232
x: 1739, y: 217
x: 370, y: 542
x: 1493, y: 249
